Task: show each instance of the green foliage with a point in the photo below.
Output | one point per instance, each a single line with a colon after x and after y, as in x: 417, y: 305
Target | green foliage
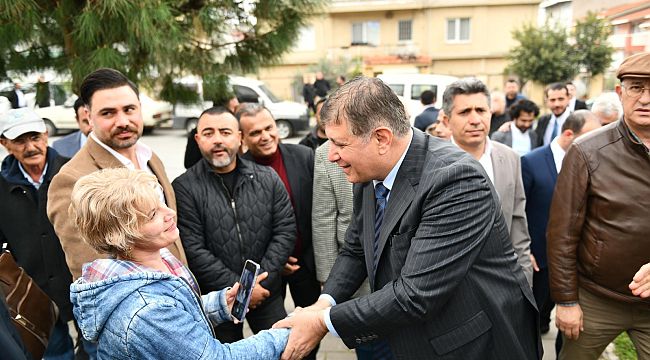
x: 151, y: 41
x: 549, y: 53
x: 543, y: 54
x: 624, y: 348
x: 593, y: 50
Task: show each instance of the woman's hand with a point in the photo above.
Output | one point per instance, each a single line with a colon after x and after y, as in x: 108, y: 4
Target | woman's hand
x: 231, y: 294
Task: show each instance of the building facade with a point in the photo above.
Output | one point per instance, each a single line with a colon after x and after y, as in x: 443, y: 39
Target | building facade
x: 449, y: 37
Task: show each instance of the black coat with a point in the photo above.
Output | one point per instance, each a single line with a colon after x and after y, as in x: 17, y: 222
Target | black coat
x: 25, y: 227
x: 218, y: 238
x: 299, y: 163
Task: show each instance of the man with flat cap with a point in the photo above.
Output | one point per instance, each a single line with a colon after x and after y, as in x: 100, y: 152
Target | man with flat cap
x: 24, y: 227
x: 598, y: 230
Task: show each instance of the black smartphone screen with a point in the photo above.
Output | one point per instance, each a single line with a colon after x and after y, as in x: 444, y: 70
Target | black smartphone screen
x: 246, y: 283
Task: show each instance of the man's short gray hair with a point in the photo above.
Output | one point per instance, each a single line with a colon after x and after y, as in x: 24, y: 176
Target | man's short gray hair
x: 366, y: 104
x: 607, y: 104
x: 466, y: 86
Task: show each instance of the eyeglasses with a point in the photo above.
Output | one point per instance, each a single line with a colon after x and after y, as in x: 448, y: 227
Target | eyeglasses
x: 635, y: 90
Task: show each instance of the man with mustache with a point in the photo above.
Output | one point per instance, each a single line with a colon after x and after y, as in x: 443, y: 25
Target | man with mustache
x: 113, y: 105
x: 467, y: 115
x: 231, y: 210
x: 24, y: 180
x: 597, y: 235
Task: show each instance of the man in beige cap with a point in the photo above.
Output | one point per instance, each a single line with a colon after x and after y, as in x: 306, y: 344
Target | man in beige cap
x: 598, y: 232
x: 24, y: 227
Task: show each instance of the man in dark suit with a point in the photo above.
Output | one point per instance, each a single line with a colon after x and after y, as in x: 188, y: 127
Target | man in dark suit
x: 549, y: 125
x: 521, y: 137
x: 16, y: 97
x: 428, y: 234
x: 69, y: 145
x: 430, y: 114
x: 539, y: 170
x: 295, y: 166
x: 574, y: 102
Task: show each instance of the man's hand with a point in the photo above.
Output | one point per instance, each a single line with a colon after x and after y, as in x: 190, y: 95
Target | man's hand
x: 291, y: 266
x: 259, y: 292
x: 534, y: 262
x: 640, y: 284
x: 568, y: 319
x: 307, y: 329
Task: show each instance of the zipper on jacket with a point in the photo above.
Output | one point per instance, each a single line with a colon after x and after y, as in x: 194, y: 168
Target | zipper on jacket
x: 234, y: 210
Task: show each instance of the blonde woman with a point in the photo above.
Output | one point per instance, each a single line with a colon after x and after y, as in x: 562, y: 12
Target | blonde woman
x: 142, y: 303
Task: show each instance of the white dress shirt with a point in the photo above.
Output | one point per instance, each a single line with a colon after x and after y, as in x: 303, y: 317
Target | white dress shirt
x: 21, y: 98
x: 558, y: 154
x: 486, y: 158
x: 560, y: 121
x: 142, y: 152
x: 520, y: 140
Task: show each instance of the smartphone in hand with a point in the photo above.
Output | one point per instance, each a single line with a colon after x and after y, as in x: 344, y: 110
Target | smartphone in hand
x: 246, y: 283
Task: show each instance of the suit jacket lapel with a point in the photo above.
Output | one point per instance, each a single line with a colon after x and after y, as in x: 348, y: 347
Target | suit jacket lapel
x: 497, y: 163
x: 102, y: 157
x: 290, y: 167
x: 550, y: 162
x: 402, y: 192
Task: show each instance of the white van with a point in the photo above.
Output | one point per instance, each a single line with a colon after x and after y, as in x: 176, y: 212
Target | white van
x: 408, y: 88
x: 290, y: 116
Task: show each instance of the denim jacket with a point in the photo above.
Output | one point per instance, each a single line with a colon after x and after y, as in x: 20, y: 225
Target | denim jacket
x: 137, y: 313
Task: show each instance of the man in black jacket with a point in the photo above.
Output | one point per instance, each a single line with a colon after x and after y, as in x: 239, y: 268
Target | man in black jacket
x: 231, y: 210
x: 295, y: 166
x: 24, y: 180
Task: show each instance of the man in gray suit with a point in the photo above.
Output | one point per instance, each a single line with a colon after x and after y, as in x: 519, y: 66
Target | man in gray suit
x: 469, y: 131
x: 70, y: 144
x: 521, y: 137
x: 427, y: 232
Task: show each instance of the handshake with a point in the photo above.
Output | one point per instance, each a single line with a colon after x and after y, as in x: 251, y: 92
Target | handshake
x: 307, y: 329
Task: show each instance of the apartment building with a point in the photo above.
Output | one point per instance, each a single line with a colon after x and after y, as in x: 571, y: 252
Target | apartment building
x: 451, y: 37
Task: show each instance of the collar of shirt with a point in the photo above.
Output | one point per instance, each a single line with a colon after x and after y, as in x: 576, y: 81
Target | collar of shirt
x: 558, y: 154
x: 82, y: 140
x: 390, y: 178
x: 572, y: 104
x: 37, y: 184
x: 142, y: 152
x: 636, y: 139
x: 428, y: 106
x: 486, y: 158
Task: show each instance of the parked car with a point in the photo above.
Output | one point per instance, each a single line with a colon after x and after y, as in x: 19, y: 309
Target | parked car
x: 60, y: 117
x: 408, y: 88
x: 290, y: 116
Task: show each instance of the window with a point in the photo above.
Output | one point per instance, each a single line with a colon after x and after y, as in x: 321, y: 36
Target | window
x: 397, y: 88
x: 365, y: 33
x: 405, y: 29
x: 245, y: 94
x: 306, y: 39
x: 458, y: 29
x: 417, y: 89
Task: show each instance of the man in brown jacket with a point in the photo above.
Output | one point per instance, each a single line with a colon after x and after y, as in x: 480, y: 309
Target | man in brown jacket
x: 113, y: 106
x: 597, y: 236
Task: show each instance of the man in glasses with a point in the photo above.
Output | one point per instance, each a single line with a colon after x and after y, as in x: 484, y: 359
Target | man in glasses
x: 598, y: 229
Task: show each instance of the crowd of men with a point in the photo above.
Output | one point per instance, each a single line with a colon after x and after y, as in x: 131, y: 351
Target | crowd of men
x: 453, y: 248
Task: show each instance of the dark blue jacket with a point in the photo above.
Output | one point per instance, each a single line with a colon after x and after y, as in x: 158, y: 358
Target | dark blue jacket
x: 426, y: 118
x: 25, y: 227
x: 539, y: 175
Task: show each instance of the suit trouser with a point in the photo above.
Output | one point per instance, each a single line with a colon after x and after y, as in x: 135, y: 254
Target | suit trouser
x: 305, y: 290
x: 260, y: 318
x: 542, y: 293
x: 604, y: 319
